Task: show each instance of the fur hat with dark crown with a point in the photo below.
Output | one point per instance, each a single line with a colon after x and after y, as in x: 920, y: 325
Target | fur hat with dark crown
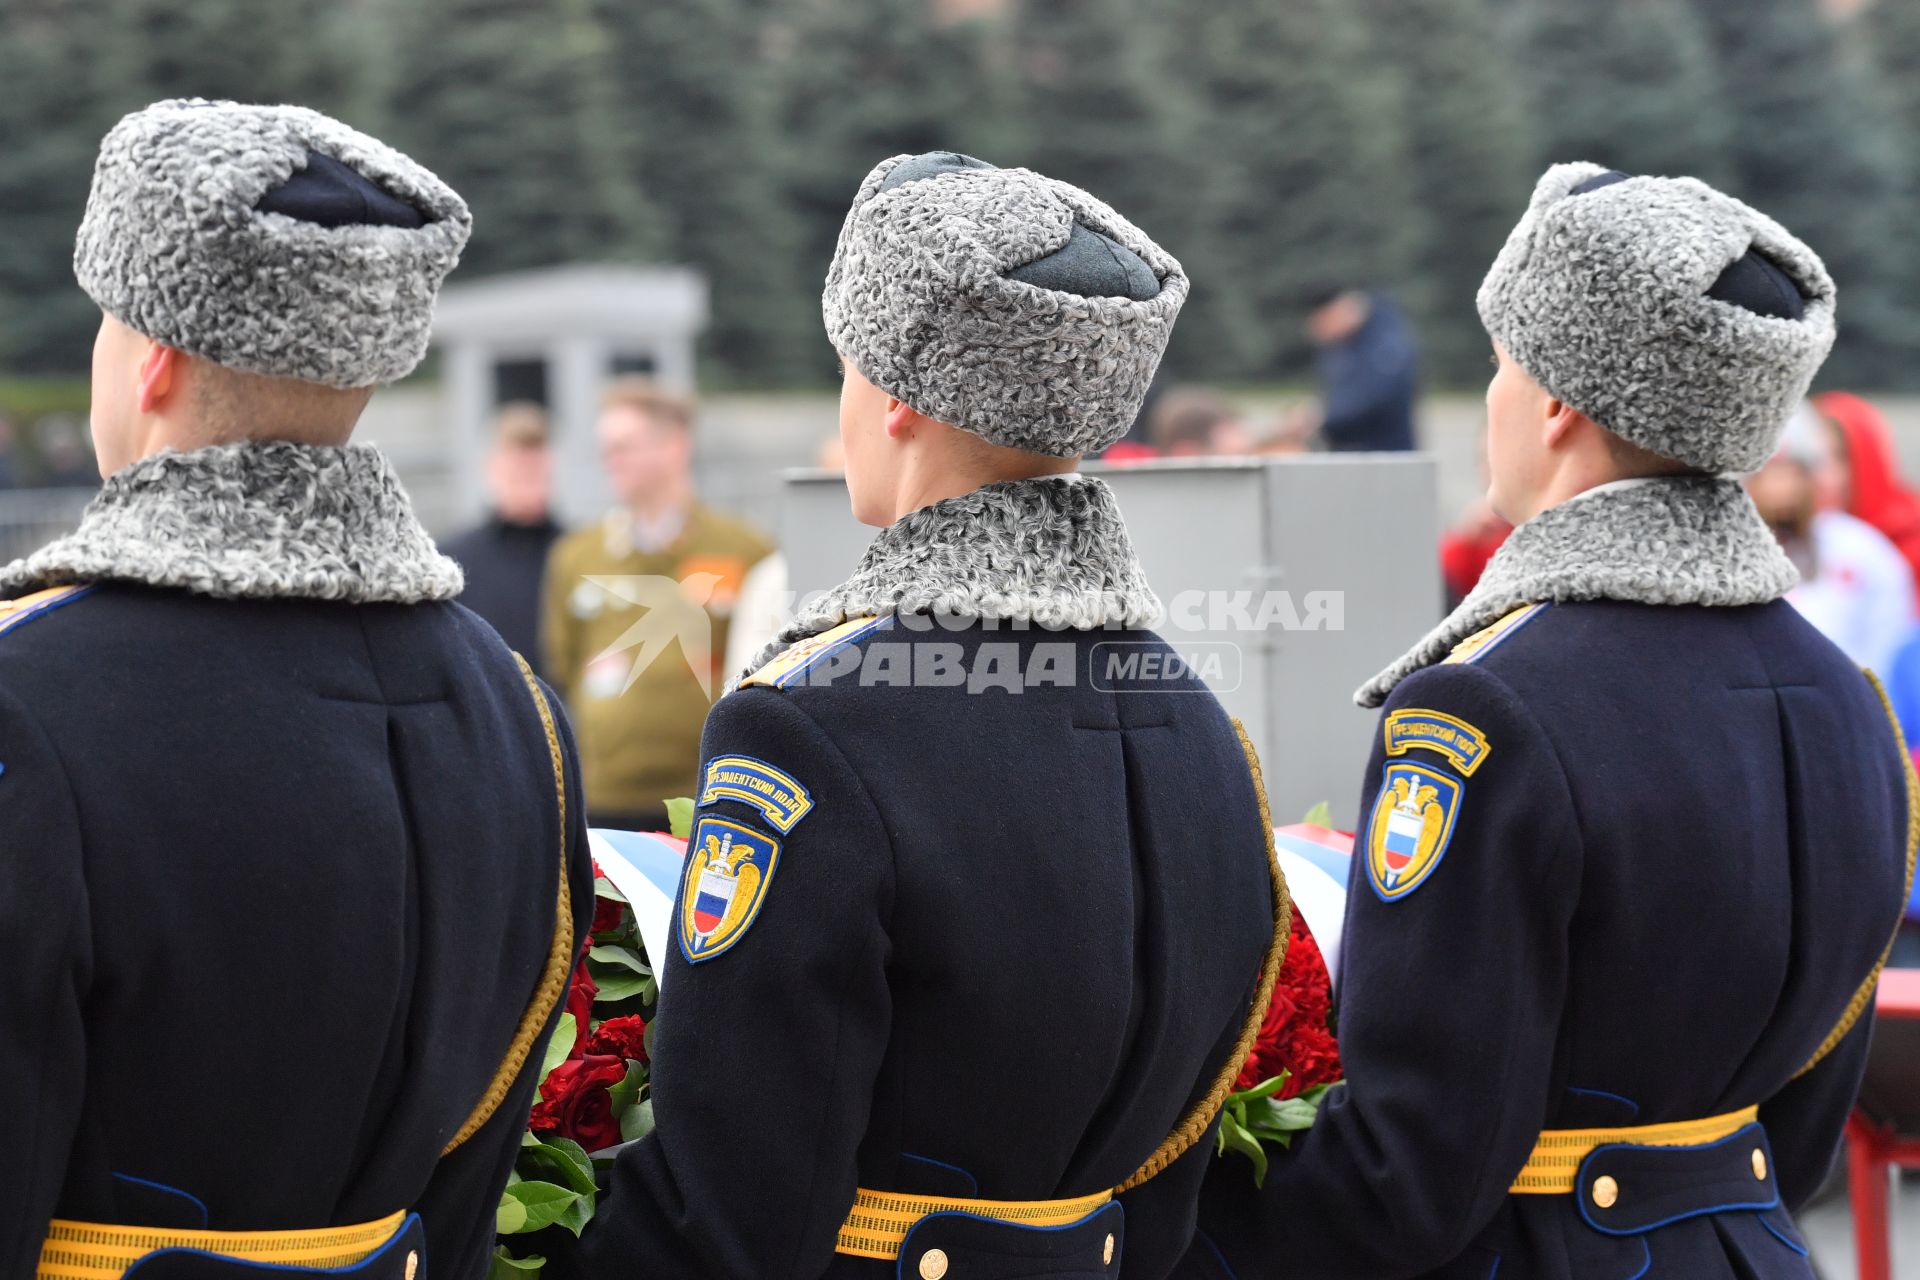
x: 269, y: 239
x: 1670, y: 313
x: 1004, y: 302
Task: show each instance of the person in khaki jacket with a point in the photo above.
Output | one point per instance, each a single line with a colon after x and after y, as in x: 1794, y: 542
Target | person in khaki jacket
x: 637, y: 610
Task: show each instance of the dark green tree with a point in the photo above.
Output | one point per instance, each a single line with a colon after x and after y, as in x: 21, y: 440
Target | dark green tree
x: 1814, y: 145
x: 240, y: 50
x: 1631, y: 84
x: 859, y: 81
x: 700, y: 117
x: 1887, y: 38
x: 1095, y: 106
x: 1304, y: 186
x: 68, y: 70
x: 55, y: 102
x: 1889, y: 31
x: 1469, y: 157
x: 514, y: 103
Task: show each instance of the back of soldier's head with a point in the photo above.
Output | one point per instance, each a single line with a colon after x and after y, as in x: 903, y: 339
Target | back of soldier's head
x: 260, y: 270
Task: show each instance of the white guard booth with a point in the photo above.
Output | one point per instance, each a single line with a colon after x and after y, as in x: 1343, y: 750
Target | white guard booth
x: 556, y: 336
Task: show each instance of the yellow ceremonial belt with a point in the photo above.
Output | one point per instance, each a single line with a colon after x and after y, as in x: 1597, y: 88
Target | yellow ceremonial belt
x: 880, y: 1220
x: 1555, y: 1163
x: 97, y: 1251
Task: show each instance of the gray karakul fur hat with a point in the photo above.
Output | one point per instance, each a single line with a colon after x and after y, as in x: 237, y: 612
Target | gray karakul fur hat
x: 1006, y: 303
x: 1668, y: 312
x: 270, y: 239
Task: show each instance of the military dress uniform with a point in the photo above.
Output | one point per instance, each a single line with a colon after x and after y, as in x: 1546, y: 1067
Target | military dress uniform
x: 1655, y: 855
x: 1635, y: 837
x: 980, y: 911
x: 300, y: 856
x: 983, y: 952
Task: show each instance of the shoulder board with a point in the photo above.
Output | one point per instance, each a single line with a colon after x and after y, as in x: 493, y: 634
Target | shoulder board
x: 15, y: 612
x: 1480, y: 643
x: 793, y: 662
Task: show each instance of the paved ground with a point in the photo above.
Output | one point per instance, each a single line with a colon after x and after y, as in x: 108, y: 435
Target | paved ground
x: 1829, y: 1229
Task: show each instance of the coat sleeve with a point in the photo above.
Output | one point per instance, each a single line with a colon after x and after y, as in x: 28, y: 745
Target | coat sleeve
x: 1162, y: 1213
x: 1451, y: 997
x: 45, y: 968
x: 458, y: 1206
x: 1806, y: 1119
x: 766, y: 1053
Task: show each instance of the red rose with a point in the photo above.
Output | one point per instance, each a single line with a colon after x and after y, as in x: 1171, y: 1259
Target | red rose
x: 607, y: 915
x: 1313, y: 1058
x: 1293, y: 1037
x: 580, y: 994
x: 575, y: 1103
x: 621, y: 1037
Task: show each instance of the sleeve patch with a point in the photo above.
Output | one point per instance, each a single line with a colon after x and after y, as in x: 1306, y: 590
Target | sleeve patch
x: 729, y: 871
x: 758, y: 785
x: 1464, y: 746
x: 1410, y: 827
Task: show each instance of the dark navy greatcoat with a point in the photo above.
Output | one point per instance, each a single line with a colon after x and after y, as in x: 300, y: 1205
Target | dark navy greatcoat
x: 1010, y: 939
x: 1675, y: 857
x: 281, y: 876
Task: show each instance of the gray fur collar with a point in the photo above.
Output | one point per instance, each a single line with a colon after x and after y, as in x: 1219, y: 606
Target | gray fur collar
x: 257, y: 520
x: 1053, y: 552
x: 1692, y: 540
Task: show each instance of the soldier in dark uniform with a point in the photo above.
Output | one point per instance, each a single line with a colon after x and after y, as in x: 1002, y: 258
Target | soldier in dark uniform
x: 297, y: 859
x: 973, y: 920
x: 1636, y: 835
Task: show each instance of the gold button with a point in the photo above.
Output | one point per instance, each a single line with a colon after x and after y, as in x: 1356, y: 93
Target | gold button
x: 1759, y: 1164
x: 1605, y: 1191
x: 1106, y: 1254
x: 413, y: 1263
x: 933, y: 1264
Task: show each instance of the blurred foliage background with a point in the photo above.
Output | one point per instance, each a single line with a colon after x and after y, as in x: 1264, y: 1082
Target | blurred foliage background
x: 1279, y: 147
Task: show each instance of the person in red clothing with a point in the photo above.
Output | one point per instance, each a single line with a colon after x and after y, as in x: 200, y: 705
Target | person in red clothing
x: 1868, y: 474
x: 1466, y: 547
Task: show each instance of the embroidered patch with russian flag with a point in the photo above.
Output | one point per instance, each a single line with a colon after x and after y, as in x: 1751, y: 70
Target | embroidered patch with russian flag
x: 728, y: 872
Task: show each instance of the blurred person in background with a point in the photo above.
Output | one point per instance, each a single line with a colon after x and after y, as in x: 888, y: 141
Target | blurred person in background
x: 505, y: 556
x: 1137, y: 444
x: 1854, y: 586
x: 1466, y: 546
x: 1863, y: 478
x: 637, y: 610
x: 1471, y: 541
x: 1368, y: 367
x: 1196, y: 422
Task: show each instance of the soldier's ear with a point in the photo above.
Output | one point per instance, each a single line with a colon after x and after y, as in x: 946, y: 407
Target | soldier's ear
x: 1561, y: 419
x: 900, y: 417
x: 157, y: 373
